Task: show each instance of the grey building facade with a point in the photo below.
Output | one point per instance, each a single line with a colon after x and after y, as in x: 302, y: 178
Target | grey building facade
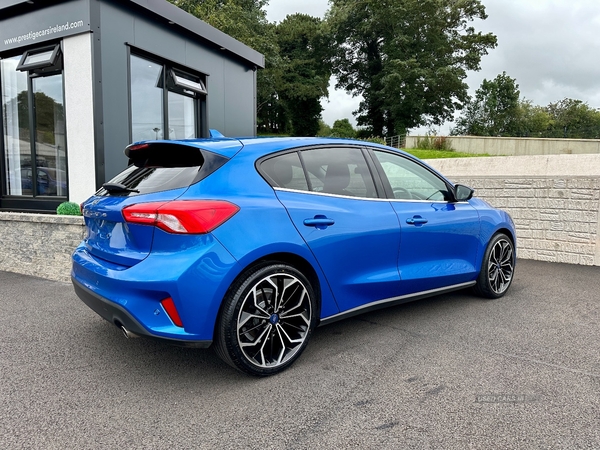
x: 81, y: 79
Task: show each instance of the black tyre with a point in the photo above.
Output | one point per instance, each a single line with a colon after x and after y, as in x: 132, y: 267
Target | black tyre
x: 267, y: 319
x: 497, y: 268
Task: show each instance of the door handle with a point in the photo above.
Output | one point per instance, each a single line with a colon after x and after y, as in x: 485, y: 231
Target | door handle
x: 320, y: 222
x: 416, y: 220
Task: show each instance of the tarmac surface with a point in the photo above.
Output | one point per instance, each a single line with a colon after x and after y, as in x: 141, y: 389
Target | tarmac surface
x: 451, y: 372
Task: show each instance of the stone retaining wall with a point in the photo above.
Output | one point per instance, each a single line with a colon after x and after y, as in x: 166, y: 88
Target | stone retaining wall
x: 554, y: 201
x: 39, y: 244
x: 556, y: 218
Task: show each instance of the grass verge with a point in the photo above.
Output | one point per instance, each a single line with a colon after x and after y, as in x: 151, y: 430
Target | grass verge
x: 437, y: 154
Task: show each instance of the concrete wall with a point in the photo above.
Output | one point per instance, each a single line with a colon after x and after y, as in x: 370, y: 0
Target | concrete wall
x: 39, y: 244
x: 498, y: 146
x: 554, y: 201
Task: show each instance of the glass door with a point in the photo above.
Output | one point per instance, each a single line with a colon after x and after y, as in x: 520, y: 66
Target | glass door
x: 50, y: 138
x: 17, y: 136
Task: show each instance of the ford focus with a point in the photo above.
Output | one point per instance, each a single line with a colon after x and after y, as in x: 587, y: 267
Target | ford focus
x: 249, y: 244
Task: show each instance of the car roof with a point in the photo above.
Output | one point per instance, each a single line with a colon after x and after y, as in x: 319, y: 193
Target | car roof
x: 260, y: 146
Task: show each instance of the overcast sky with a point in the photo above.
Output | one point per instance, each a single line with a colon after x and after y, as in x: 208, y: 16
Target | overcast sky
x: 551, y: 47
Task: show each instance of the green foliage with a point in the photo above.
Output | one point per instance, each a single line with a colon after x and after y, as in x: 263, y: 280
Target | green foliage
x: 297, y: 53
x: 494, y: 111
x: 246, y: 21
x: 305, y: 73
x: 437, y: 154
x: 533, y: 120
x: 324, y: 129
x: 572, y: 119
x: 433, y: 142
x: 68, y: 209
x: 498, y: 111
x: 343, y: 128
x: 407, y: 58
x: 373, y: 139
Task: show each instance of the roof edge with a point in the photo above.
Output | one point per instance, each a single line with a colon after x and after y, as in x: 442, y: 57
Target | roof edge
x: 177, y: 16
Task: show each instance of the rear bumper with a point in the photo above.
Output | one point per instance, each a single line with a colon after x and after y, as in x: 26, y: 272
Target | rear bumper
x: 119, y: 316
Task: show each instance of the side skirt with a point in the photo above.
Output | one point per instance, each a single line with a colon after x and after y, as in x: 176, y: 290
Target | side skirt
x: 379, y: 304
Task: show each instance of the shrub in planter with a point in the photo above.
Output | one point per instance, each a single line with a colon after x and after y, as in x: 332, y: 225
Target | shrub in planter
x: 68, y: 209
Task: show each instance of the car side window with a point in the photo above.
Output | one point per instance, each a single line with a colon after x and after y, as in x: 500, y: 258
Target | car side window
x: 285, y: 171
x: 409, y: 180
x: 339, y: 171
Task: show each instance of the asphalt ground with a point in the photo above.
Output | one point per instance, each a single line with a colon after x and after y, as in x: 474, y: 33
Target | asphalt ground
x: 449, y: 372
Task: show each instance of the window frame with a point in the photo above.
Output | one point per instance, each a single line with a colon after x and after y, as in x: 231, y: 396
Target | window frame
x: 50, y: 62
x: 382, y: 186
x: 375, y: 176
x: 168, y: 77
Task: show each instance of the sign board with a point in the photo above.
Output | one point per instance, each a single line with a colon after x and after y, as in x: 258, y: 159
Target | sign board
x: 44, y: 24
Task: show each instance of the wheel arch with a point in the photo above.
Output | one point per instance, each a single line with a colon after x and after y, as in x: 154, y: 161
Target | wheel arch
x: 509, y: 233
x: 296, y: 261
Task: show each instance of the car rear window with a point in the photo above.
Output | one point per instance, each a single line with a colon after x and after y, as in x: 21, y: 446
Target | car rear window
x: 160, y: 166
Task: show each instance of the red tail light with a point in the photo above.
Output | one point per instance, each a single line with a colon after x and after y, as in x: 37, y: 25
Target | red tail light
x: 183, y: 216
x: 169, y: 306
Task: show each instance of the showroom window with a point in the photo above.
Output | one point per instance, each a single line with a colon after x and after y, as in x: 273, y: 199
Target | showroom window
x: 167, y: 102
x: 34, y: 151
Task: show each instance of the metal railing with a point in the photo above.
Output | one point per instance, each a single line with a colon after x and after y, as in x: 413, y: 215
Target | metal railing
x: 396, y: 141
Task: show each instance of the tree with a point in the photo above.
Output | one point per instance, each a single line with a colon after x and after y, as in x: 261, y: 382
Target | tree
x: 407, y: 58
x: 494, y: 111
x: 304, y: 50
x: 534, y: 121
x: 297, y: 58
x: 324, y: 129
x: 343, y: 128
x: 573, y: 119
x: 246, y: 21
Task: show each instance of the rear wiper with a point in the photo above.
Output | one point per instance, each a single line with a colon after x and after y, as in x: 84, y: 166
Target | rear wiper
x: 118, y: 187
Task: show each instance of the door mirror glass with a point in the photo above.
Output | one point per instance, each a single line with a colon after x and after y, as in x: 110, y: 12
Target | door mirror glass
x: 463, y: 193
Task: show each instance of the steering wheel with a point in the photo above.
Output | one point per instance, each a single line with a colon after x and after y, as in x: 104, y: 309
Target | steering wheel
x: 401, y: 193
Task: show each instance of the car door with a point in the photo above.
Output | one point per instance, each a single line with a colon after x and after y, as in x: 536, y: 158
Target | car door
x: 439, y: 237
x: 331, y: 198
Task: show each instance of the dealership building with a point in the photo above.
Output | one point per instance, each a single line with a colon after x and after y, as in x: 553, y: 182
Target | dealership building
x: 81, y: 79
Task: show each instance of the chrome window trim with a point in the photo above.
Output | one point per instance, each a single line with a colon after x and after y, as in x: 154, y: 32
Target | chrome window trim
x: 377, y: 199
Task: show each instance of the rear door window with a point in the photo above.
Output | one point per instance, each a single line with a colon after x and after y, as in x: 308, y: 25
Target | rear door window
x: 339, y: 171
x: 285, y: 171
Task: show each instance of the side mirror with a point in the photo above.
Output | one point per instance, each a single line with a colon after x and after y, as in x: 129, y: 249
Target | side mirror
x: 463, y: 193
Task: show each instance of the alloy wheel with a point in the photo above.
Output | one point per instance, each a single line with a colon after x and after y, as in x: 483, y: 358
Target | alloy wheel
x: 500, y: 266
x: 274, y: 320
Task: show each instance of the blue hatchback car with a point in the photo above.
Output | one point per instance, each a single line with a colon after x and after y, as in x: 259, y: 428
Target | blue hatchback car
x: 249, y: 244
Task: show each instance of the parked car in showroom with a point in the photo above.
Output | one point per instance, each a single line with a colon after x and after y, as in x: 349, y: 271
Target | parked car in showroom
x: 49, y: 180
x: 249, y: 244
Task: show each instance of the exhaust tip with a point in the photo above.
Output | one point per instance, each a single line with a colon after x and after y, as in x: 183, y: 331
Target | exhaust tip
x: 128, y: 334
